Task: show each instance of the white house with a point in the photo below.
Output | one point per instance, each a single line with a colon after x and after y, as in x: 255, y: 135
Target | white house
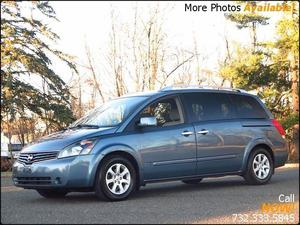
x: 4, y: 145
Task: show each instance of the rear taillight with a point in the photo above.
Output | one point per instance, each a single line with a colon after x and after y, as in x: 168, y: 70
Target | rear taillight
x: 278, y: 126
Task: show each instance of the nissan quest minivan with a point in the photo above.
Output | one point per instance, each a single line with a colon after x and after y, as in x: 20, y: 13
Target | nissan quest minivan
x: 177, y: 133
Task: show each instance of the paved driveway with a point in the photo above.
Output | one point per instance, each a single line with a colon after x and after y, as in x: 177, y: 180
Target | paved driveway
x: 214, y: 200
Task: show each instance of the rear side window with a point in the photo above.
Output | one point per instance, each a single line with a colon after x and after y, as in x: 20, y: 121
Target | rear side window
x: 208, y: 106
x: 248, y: 107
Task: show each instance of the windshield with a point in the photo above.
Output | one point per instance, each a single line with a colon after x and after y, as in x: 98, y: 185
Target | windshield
x: 110, y: 114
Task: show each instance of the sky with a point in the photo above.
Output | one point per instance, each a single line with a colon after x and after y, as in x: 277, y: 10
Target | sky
x: 89, y: 22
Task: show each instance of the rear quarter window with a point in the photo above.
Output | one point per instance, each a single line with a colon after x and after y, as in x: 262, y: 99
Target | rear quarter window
x: 248, y: 107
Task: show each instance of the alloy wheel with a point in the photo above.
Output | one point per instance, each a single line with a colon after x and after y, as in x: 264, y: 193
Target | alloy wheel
x: 118, y: 178
x: 261, y: 166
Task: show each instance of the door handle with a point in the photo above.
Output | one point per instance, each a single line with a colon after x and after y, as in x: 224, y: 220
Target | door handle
x: 187, y: 133
x: 203, y: 132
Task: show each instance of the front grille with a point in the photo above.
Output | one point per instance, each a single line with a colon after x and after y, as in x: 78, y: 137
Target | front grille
x: 33, y: 180
x: 29, y: 158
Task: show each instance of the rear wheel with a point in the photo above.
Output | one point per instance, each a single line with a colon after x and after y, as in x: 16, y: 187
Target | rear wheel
x: 195, y: 181
x: 116, y: 179
x: 46, y: 193
x: 260, y: 167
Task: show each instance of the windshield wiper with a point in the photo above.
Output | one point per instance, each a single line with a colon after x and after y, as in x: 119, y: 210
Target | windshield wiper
x: 85, y: 126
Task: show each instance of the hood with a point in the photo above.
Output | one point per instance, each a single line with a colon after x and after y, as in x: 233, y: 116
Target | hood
x: 61, y: 139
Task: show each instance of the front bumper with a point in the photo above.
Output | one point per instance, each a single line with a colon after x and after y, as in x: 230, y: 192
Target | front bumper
x: 72, y: 172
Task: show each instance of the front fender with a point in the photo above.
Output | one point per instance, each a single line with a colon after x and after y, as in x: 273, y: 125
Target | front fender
x: 105, y: 150
x: 251, y: 145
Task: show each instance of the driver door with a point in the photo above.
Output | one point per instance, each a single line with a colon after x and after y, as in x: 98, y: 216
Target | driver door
x: 169, y: 149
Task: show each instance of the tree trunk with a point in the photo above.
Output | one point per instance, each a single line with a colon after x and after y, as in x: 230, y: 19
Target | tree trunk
x: 91, y: 68
x: 295, y: 88
x: 295, y: 144
x: 253, y: 36
x: 295, y: 97
x: 9, y: 134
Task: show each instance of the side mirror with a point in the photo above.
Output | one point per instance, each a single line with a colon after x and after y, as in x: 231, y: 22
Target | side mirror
x: 147, y: 121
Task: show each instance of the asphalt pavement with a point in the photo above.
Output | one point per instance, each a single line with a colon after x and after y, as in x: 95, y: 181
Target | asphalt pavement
x: 214, y: 200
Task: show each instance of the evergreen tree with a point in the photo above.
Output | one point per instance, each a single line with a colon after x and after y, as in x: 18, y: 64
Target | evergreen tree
x: 248, y: 20
x: 29, y: 84
x: 273, y: 70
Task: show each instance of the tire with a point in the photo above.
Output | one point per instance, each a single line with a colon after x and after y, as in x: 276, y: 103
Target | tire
x: 111, y: 184
x: 260, y: 167
x: 52, y: 193
x: 195, y: 181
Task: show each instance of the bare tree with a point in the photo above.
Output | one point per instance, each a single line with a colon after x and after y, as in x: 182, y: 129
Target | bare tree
x: 183, y: 62
x: 115, y: 58
x: 135, y: 48
x: 227, y: 59
x: 148, y: 48
x: 90, y: 66
x: 197, y: 59
x: 75, y: 85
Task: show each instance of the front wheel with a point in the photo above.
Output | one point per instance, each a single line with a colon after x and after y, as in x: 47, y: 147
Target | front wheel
x: 52, y: 193
x: 260, y: 167
x: 116, y: 179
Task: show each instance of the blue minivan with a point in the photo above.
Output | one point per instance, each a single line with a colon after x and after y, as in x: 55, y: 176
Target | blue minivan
x: 177, y: 133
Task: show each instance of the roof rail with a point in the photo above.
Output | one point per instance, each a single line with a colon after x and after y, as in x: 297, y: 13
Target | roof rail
x: 177, y: 87
x: 240, y: 90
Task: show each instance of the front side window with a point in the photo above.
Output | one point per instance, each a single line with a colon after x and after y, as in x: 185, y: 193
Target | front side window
x: 111, y: 113
x: 166, y: 111
x: 208, y: 106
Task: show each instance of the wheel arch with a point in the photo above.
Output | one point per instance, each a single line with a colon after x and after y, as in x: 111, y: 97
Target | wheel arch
x: 266, y: 147
x: 125, y: 152
x: 259, y: 143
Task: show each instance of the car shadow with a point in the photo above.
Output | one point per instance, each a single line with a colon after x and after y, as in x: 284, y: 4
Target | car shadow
x: 157, y: 190
x: 149, y: 191
x: 171, y: 202
x: 177, y: 187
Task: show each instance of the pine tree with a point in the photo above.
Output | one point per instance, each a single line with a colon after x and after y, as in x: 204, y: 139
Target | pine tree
x: 248, y: 20
x: 287, y: 59
x: 273, y: 69
x: 29, y: 83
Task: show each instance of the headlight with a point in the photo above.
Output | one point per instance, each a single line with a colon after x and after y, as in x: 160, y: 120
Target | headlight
x: 16, y: 156
x: 83, y: 148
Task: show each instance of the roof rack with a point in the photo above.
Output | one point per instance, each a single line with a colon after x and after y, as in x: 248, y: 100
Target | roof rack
x: 178, y: 87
